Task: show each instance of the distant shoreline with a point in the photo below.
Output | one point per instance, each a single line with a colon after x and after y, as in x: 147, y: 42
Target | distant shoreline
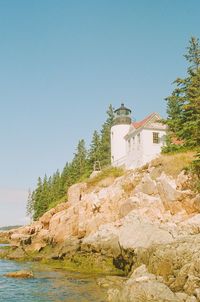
x: 10, y: 227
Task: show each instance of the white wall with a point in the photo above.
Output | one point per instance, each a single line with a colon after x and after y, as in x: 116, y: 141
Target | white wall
x: 139, y: 153
x: 134, y: 152
x: 151, y: 149
x: 118, y: 144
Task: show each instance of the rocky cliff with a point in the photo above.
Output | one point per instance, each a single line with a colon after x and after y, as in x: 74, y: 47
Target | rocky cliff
x: 147, y: 224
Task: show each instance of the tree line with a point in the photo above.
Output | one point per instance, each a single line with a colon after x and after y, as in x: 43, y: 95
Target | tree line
x: 183, y: 105
x: 183, y: 109
x: 52, y: 190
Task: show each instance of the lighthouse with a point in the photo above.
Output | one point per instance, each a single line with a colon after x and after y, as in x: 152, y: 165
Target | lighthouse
x: 120, y: 128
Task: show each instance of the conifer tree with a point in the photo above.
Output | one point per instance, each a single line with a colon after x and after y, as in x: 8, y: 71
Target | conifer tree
x: 37, y: 200
x: 94, y: 151
x: 183, y: 106
x: 64, y: 180
x: 80, y: 164
x: 30, y: 204
x: 50, y: 191
x: 105, y: 147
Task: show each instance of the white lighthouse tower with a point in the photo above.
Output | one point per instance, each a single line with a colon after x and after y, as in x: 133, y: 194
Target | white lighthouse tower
x: 120, y: 128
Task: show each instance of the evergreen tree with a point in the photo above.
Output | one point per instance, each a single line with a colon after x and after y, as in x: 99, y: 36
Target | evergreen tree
x: 105, y: 147
x: 64, y: 180
x: 94, y: 151
x: 37, y: 200
x: 79, y: 166
x: 30, y: 204
x: 183, y: 106
x: 193, y: 54
x: 50, y: 191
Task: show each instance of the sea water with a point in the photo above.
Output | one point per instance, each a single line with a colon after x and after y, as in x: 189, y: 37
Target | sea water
x: 47, y: 285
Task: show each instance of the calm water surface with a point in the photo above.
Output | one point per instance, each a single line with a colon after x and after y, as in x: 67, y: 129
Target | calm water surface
x: 48, y: 285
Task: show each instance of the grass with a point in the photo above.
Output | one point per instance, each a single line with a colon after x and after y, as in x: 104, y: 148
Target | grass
x: 57, y: 202
x: 172, y: 164
x: 111, y: 172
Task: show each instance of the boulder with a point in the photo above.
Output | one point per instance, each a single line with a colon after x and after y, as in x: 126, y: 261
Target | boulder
x: 17, y: 254
x: 20, y: 274
x: 196, y: 203
x: 147, y: 186
x: 169, y: 195
x: 178, y: 264
x: 183, y: 181
x: 104, y: 241
x: 75, y: 192
x: 69, y: 247
x: 143, y: 287
x: 45, y: 219
x: 191, y: 225
x: 137, y: 233
x: 127, y: 207
x: 36, y: 246
x: 20, y: 239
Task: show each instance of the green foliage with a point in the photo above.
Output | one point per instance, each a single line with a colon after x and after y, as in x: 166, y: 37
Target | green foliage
x: 105, y: 147
x: 196, y: 165
x: 105, y: 173
x: 194, y: 170
x: 94, y: 153
x: 183, y: 106
x: 172, y: 148
x: 80, y: 162
x: 51, y: 191
x: 54, y: 203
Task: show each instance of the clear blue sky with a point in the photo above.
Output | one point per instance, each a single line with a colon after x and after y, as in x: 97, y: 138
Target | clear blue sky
x: 63, y: 62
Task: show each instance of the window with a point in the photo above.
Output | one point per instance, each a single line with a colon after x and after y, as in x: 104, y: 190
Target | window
x: 138, y: 138
x: 155, y: 137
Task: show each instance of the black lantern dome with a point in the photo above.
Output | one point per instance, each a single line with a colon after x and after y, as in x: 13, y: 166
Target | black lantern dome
x: 122, y: 116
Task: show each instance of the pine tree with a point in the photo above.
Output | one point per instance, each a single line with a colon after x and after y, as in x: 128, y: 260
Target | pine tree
x: 50, y: 191
x: 37, y: 197
x: 79, y: 165
x: 193, y: 54
x: 183, y: 106
x: 192, y: 109
x: 94, y: 153
x: 65, y: 180
x: 105, y: 147
x: 30, y: 204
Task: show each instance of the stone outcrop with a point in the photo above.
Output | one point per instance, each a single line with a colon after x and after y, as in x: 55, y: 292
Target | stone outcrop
x: 20, y: 274
x: 143, y: 286
x: 149, y: 226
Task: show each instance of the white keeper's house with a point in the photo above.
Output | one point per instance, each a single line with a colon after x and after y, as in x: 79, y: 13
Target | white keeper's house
x: 133, y: 144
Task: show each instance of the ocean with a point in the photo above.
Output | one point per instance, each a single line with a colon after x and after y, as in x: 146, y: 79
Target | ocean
x: 47, y: 285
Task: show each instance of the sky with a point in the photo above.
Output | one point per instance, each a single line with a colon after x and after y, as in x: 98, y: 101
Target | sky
x: 62, y: 62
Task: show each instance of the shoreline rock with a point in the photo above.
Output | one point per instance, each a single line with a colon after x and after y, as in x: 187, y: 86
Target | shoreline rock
x: 145, y: 228
x: 20, y: 274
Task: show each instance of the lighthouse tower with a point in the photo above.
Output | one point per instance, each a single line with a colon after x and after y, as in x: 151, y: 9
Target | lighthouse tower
x: 119, y: 129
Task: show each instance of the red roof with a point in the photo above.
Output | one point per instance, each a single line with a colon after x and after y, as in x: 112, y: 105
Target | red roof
x: 137, y: 125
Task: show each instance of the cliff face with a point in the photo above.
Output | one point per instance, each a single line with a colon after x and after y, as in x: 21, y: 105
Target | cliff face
x: 148, y: 225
